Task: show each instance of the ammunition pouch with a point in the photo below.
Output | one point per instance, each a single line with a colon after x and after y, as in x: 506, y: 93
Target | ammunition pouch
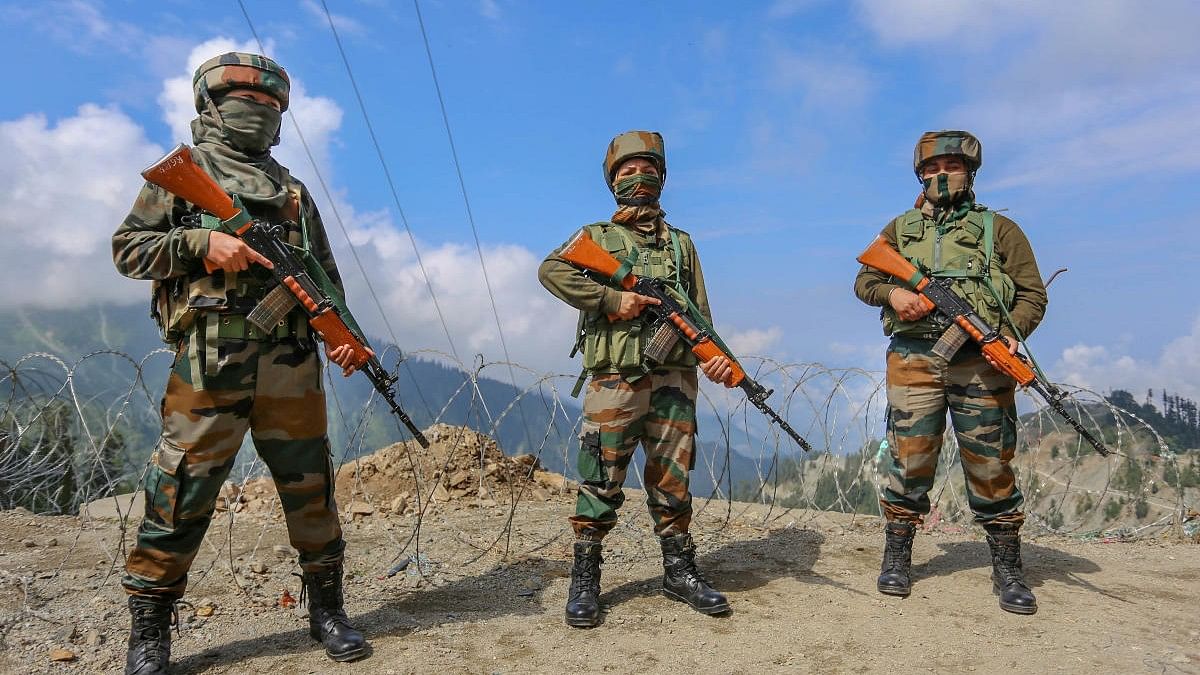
x: 964, y: 253
x: 620, y: 346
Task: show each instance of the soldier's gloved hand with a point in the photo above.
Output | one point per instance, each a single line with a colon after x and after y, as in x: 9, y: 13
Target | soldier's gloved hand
x: 632, y: 304
x: 718, y: 369
x: 1012, y: 349
x: 231, y: 254
x: 343, y: 355
x: 907, y: 304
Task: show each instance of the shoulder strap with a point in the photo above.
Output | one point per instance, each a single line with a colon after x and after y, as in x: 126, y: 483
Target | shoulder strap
x: 989, y: 220
x: 678, y: 259
x: 301, y: 219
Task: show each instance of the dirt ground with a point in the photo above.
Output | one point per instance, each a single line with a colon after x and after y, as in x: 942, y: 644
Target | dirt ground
x: 801, y: 585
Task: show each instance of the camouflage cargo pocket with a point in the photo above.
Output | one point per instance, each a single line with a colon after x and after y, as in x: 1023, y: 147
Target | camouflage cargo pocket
x: 591, y: 468
x: 163, y: 483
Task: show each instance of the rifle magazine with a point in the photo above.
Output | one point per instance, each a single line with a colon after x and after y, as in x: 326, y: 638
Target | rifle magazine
x: 272, y: 309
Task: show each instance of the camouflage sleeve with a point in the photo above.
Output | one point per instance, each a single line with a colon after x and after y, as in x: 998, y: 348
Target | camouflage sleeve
x: 149, y: 244
x: 318, y: 240
x: 698, y: 292
x: 871, y: 286
x: 1017, y: 259
x: 575, y: 288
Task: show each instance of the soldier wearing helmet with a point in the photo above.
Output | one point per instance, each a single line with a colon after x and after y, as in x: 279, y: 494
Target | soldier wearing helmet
x: 991, y: 264
x: 229, y: 376
x: 630, y: 397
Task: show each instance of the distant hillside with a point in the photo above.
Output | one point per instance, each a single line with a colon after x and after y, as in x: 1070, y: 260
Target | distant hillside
x: 426, y: 389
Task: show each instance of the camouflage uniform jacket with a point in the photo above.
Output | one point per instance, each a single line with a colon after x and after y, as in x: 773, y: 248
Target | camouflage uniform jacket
x: 578, y: 290
x: 1015, y: 256
x: 153, y: 242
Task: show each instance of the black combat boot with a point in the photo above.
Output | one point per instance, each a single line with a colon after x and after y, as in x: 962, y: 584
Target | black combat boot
x: 327, y: 621
x: 583, y: 599
x: 1008, y: 575
x: 683, y: 582
x: 894, y: 576
x: 150, y: 635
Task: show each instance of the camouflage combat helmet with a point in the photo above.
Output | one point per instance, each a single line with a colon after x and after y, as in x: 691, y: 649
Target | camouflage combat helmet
x: 948, y: 142
x: 648, y: 144
x: 239, y: 70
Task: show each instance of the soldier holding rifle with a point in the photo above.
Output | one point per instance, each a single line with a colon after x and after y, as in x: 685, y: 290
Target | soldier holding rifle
x: 984, y: 259
x: 231, y: 374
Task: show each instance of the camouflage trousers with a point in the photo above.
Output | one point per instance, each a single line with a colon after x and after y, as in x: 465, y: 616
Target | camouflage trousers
x: 658, y: 410
x: 274, y: 390
x: 921, y: 386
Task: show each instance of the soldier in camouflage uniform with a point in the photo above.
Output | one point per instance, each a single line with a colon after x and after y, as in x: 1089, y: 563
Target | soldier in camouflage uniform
x: 228, y: 376
x: 630, y: 400
x: 992, y: 266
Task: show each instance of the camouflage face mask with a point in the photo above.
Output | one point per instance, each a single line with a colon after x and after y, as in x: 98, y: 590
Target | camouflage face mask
x: 943, y: 189
x: 249, y: 126
x: 640, y: 189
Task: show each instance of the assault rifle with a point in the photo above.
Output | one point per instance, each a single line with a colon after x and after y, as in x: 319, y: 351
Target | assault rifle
x: 179, y: 174
x: 938, y: 295
x: 669, y: 322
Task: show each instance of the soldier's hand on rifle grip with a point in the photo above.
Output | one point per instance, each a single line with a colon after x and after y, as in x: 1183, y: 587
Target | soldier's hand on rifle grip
x: 1012, y: 349
x: 719, y: 369
x: 343, y: 355
x: 632, y: 304
x: 908, y: 305
x: 231, y: 254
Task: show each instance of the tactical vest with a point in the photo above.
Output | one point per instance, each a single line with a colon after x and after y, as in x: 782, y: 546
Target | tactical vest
x: 178, y: 302
x: 616, y: 346
x: 962, y: 251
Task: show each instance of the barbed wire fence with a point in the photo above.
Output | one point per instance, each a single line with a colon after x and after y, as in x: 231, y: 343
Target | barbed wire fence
x: 63, y: 452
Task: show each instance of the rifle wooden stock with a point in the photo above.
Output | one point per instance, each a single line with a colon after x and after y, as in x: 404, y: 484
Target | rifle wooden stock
x: 179, y: 174
x: 881, y: 256
x: 583, y: 251
x: 939, y: 295
x: 586, y: 254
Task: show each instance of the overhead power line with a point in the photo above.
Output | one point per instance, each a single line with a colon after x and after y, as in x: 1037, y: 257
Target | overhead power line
x: 387, y: 174
x: 342, y: 225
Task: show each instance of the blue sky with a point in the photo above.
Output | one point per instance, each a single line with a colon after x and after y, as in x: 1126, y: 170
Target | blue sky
x: 789, y: 129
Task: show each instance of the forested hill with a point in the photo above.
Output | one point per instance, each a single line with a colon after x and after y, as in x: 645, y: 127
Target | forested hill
x: 427, y: 390
x: 1176, y: 418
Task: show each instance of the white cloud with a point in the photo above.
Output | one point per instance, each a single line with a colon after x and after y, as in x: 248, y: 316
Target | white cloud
x: 78, y: 24
x: 489, y: 9
x: 752, y: 341
x: 783, y: 9
x: 65, y: 186
x: 825, y: 80
x: 344, y: 24
x: 1098, y: 90
x: 1101, y: 368
x: 532, y: 319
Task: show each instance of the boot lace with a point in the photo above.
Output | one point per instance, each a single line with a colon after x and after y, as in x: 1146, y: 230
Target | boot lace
x: 896, y: 549
x: 327, y: 596
x: 147, y: 625
x: 583, y: 575
x: 1007, y: 555
x: 685, y: 566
